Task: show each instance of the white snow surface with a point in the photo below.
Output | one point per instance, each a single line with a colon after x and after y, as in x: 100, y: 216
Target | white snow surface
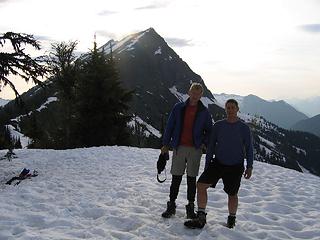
x: 112, y: 193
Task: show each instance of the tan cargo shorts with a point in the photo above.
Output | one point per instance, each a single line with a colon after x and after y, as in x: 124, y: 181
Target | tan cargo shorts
x: 186, y: 157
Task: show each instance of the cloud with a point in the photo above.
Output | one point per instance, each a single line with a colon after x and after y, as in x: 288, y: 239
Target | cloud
x: 311, y: 28
x: 106, y: 34
x: 42, y: 38
x: 153, y: 6
x: 179, y: 42
x: 105, y: 12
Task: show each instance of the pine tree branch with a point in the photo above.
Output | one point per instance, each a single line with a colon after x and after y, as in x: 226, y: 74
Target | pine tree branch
x: 18, y: 62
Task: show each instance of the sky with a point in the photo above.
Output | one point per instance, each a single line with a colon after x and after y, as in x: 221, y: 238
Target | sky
x: 269, y: 48
x: 112, y: 193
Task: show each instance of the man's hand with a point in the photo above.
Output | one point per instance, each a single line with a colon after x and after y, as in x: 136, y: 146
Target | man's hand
x: 247, y: 173
x: 203, y: 148
x: 164, y: 149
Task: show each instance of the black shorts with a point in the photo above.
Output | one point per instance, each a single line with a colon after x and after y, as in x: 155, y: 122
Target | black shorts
x: 231, y: 176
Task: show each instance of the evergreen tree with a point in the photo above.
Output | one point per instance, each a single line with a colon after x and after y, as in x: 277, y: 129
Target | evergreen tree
x: 17, y: 62
x: 35, y: 132
x: 5, y: 138
x: 65, y: 69
x: 62, y: 62
x: 17, y: 143
x: 7, y: 141
x: 139, y: 133
x: 102, y: 103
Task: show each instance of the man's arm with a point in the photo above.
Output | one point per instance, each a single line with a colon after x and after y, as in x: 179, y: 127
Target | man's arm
x: 208, y: 130
x: 168, y: 131
x: 249, y: 153
x: 211, y: 146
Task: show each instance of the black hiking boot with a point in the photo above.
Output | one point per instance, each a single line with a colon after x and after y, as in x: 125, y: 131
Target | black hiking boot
x: 190, y: 211
x: 198, y: 222
x: 231, y: 221
x: 171, y: 210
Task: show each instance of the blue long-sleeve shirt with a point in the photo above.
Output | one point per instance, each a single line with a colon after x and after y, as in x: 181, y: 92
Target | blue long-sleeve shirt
x: 231, y: 143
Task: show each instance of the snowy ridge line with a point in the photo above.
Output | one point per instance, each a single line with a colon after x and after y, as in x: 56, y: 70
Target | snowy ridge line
x: 180, y: 96
x: 24, y: 140
x: 268, y: 151
x: 43, y: 106
x: 271, y: 144
x: 223, y: 97
x: 14, y: 131
x: 49, y: 100
x: 259, y: 121
x: 304, y: 170
x: 183, y: 97
x: 300, y: 150
x: 126, y: 43
x: 133, y: 40
x: 18, y: 119
x: 72, y: 198
x: 149, y: 128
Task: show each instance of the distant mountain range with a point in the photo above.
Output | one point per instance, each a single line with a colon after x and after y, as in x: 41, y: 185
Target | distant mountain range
x: 309, y: 106
x: 3, y: 102
x: 311, y: 125
x: 277, y: 112
x: 160, y: 78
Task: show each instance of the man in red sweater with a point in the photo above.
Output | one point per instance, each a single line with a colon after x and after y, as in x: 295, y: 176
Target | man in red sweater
x: 187, y: 132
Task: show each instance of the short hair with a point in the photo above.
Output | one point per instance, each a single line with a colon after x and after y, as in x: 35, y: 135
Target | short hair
x: 231, y: 100
x: 196, y: 86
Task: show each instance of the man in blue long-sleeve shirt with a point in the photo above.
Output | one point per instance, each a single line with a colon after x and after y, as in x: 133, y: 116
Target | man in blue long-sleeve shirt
x: 231, y: 143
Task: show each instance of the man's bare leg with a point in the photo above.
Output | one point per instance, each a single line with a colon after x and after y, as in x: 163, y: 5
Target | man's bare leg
x: 202, y: 195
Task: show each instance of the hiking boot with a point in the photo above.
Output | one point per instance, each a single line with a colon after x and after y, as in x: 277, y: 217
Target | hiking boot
x: 198, y: 222
x: 171, y: 210
x: 190, y: 211
x: 231, y: 221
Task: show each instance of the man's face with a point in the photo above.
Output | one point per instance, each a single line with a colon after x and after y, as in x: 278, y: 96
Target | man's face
x: 195, y: 95
x: 231, y: 109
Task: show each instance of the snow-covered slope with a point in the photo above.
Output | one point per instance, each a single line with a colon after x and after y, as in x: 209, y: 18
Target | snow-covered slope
x: 112, y: 193
x: 126, y: 44
x: 223, y: 97
x: 277, y: 112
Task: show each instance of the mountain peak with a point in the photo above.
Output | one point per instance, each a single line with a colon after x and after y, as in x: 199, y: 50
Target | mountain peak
x: 128, y: 42
x: 151, y: 30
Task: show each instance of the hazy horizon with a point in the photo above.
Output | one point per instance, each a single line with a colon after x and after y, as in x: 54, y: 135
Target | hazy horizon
x: 265, y: 48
